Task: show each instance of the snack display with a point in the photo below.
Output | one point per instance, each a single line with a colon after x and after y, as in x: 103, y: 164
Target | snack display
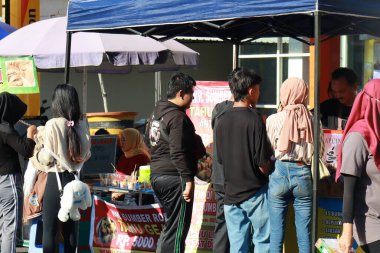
x: 128, y: 182
x: 115, y: 180
x: 123, y: 181
x: 105, y: 179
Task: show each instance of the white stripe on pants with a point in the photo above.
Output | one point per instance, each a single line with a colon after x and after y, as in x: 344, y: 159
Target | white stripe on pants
x: 10, y: 195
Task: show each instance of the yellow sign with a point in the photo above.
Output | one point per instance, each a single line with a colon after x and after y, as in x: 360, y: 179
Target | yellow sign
x: 22, y: 13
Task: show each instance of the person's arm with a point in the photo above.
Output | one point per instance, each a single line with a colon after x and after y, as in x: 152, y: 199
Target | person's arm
x: 354, y: 159
x: 214, y: 114
x: 266, y: 168
x: 23, y: 146
x: 346, y: 241
x: 178, y: 144
x: 271, y: 131
x: 218, y: 138
x: 263, y: 148
x: 188, y: 193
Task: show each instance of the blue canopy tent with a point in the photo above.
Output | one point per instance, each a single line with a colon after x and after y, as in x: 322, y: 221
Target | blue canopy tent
x: 5, y: 29
x: 234, y: 21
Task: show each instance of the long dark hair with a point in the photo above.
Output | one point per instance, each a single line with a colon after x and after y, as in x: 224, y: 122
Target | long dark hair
x: 65, y: 103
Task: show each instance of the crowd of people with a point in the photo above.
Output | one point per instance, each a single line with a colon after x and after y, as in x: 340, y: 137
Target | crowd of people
x: 259, y: 167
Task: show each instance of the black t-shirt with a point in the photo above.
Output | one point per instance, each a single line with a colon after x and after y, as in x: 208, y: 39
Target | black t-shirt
x: 242, y: 147
x: 332, y: 111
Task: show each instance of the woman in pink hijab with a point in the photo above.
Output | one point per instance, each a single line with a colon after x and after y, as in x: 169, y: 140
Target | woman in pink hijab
x: 359, y: 163
x: 291, y: 135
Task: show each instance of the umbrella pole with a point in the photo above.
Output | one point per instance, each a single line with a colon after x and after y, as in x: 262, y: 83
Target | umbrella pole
x: 67, y: 57
x: 316, y: 128
x: 84, y: 90
x: 103, y: 91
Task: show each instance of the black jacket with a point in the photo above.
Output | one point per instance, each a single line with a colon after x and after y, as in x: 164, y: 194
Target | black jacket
x: 11, y: 144
x: 217, y: 177
x: 171, y: 137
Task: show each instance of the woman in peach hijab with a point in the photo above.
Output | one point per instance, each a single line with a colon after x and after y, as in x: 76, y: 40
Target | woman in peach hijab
x: 135, y: 152
x: 291, y: 135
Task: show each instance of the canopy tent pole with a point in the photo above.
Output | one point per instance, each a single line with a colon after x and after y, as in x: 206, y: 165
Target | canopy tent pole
x: 104, y: 93
x: 67, y: 57
x: 157, y: 86
x: 316, y: 128
x: 84, y: 108
x: 235, y: 55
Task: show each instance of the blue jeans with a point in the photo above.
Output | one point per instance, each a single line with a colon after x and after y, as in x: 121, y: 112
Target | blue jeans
x: 249, y: 215
x: 290, y: 181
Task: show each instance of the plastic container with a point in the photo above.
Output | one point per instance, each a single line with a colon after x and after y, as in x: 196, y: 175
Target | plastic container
x: 144, y: 174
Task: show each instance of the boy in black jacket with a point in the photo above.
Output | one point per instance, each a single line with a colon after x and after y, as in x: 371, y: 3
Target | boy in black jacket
x: 11, y: 144
x: 221, y: 242
x: 173, y: 145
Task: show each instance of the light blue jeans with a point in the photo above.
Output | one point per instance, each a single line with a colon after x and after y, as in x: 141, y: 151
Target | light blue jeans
x: 290, y: 181
x: 249, y: 219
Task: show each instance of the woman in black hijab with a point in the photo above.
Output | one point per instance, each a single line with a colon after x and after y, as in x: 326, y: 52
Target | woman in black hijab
x: 11, y: 144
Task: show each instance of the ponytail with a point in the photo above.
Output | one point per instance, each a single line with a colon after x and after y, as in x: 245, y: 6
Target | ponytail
x: 65, y: 103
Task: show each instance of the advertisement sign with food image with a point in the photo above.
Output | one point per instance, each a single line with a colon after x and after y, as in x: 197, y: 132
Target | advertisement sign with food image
x: 18, y: 75
x: 123, y: 229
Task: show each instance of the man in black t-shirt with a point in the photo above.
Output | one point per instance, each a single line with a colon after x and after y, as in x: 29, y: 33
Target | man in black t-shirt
x: 244, y: 152
x: 342, y: 88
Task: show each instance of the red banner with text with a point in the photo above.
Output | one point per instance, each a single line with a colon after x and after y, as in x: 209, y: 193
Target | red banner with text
x: 201, y: 232
x: 124, y: 229
x: 206, y: 95
x: 119, y: 229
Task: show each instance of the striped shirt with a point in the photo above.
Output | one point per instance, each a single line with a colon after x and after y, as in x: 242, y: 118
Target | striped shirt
x: 301, y: 151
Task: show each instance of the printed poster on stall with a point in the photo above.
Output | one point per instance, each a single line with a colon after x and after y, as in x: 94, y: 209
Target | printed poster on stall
x: 331, y: 139
x: 206, y: 95
x: 18, y: 75
x: 201, y: 233
x: 119, y: 229
x: 122, y: 229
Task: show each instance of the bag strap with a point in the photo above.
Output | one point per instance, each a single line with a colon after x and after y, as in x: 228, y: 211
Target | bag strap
x: 57, y: 158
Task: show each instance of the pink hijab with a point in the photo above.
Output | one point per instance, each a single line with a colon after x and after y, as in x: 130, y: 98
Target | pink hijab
x: 298, y: 123
x: 365, y: 119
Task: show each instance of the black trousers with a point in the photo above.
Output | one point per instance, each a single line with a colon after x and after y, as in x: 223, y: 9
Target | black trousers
x: 51, y: 206
x: 168, y: 190
x: 221, y: 242
x: 373, y: 247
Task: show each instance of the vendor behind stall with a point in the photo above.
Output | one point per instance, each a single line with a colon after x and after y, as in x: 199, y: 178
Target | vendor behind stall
x: 343, y: 88
x: 135, y: 154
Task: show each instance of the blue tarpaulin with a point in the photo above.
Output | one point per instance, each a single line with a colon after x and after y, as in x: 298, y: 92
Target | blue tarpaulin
x: 202, y: 17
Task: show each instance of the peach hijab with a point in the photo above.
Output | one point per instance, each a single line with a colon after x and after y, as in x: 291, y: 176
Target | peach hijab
x: 298, y: 121
x: 132, y: 143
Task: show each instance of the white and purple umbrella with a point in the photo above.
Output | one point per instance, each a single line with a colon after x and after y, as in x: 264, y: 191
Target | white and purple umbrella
x: 96, y: 52
x: 46, y: 41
